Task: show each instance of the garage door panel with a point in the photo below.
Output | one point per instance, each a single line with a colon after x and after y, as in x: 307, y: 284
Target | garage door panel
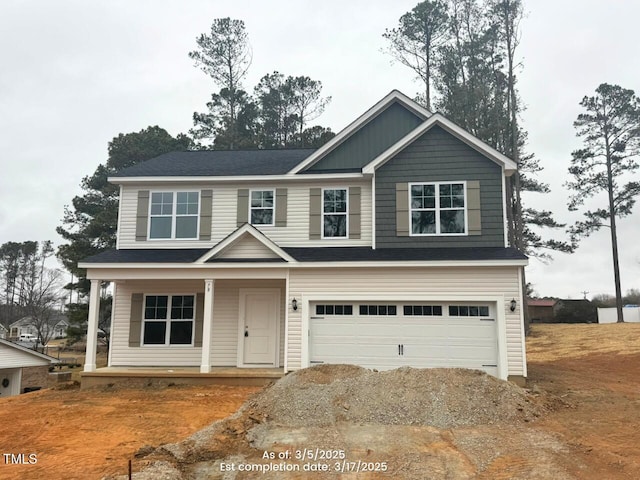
x: 470, y: 352
x: 425, y: 331
x: 384, y: 335
x: 377, y: 350
x: 427, y: 353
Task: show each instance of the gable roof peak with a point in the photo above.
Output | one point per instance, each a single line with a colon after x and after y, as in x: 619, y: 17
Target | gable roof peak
x: 394, y: 96
x: 437, y: 119
x: 245, y: 230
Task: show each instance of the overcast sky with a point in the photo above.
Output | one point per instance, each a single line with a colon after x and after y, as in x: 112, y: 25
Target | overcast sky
x: 74, y: 74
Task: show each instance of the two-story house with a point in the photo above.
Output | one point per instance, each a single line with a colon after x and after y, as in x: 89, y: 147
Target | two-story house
x: 386, y: 247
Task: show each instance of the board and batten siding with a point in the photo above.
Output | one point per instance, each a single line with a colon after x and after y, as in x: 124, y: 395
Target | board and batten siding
x: 224, y: 215
x: 370, y: 140
x: 438, y: 156
x: 224, y: 332
x: 485, y: 281
x: 14, y: 358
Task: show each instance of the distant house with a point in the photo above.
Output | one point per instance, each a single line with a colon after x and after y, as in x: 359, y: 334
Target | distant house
x: 540, y: 309
x: 58, y: 325
x: 3, y: 331
x: 575, y: 311
x: 23, y: 369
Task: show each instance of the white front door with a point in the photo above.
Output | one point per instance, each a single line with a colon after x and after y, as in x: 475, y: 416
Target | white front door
x: 259, y: 315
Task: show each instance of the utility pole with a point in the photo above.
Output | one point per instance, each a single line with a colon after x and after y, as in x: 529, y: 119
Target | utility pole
x: 584, y: 293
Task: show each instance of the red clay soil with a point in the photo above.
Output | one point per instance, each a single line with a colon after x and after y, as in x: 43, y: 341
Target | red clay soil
x: 598, y: 411
x: 80, y: 434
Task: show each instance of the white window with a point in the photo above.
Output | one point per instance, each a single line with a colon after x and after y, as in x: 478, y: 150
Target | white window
x: 468, y: 311
x: 334, y: 213
x: 378, y: 310
x: 261, y: 207
x: 334, y: 309
x: 438, y: 208
x: 168, y: 320
x: 174, y: 215
x: 423, y: 310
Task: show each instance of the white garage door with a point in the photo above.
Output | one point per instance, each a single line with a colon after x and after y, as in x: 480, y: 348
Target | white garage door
x: 386, y: 335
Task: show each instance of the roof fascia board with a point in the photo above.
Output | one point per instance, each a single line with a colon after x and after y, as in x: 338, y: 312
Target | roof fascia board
x: 234, y: 179
x: 346, y: 264
x: 437, y: 119
x: 346, y: 132
x: 235, y: 236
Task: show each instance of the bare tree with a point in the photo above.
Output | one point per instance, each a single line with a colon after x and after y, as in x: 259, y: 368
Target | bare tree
x: 414, y: 41
x: 40, y: 298
x: 225, y: 55
x: 307, y: 103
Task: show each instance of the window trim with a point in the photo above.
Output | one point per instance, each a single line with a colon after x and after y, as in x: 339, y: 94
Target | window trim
x: 174, y: 215
x: 346, y: 214
x: 438, y: 210
x: 273, y: 208
x: 168, y: 321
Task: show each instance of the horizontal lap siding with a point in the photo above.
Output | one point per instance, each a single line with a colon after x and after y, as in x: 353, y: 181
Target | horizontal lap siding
x: 419, y: 280
x: 247, y: 247
x: 12, y: 357
x: 224, y: 216
x: 224, y: 341
x: 439, y: 156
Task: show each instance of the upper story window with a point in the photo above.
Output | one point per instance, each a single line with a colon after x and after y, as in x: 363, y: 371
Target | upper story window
x: 334, y: 213
x: 261, y: 207
x: 174, y: 215
x: 438, y: 208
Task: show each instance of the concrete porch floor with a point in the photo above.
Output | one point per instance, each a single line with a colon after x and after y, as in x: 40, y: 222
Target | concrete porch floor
x: 141, y: 376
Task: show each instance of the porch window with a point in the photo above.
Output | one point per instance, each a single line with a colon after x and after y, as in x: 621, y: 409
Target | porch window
x: 261, y: 207
x: 438, y: 208
x: 174, y: 215
x: 334, y: 213
x: 168, y: 319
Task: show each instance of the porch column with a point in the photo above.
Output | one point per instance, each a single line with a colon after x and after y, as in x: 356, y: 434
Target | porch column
x: 205, y: 363
x: 92, y: 327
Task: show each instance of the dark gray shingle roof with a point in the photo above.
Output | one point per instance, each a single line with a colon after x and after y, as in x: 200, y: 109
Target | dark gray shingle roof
x: 364, y: 254
x: 148, y: 255
x: 218, y: 163
x: 317, y: 254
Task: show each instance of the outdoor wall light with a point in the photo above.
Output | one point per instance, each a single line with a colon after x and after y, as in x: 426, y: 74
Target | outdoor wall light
x: 294, y: 304
x: 513, y: 305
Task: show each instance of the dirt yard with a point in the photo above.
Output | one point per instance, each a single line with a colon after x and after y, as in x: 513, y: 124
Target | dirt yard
x: 87, y: 434
x: 578, y: 419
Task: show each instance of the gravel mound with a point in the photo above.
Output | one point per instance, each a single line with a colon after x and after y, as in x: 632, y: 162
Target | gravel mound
x: 444, y: 398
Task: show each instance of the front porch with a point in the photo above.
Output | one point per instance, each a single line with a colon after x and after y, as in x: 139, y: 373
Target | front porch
x: 230, y: 330
x: 144, y: 376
